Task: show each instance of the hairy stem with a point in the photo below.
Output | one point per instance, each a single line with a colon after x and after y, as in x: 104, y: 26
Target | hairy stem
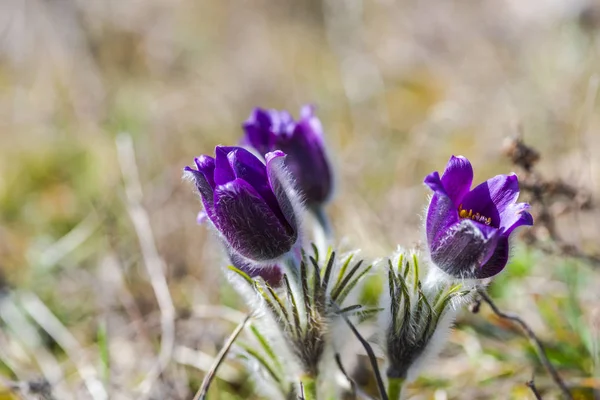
x: 395, y: 388
x: 309, y: 387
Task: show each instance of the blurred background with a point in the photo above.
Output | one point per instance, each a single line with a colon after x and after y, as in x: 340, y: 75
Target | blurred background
x: 103, y: 102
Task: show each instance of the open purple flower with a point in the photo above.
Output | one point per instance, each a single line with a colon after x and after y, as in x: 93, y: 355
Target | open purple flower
x: 468, y: 230
x: 302, y: 141
x: 247, y: 202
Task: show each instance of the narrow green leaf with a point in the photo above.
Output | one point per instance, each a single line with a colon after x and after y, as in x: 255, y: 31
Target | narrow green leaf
x: 416, y: 277
x: 352, y: 284
x: 264, y: 363
x: 280, y: 304
x: 328, y: 270
x: 306, y: 294
x: 244, y: 275
x: 394, y: 301
x: 342, y: 271
x: 315, y: 251
x: 338, y: 288
x: 265, y: 344
x: 350, y: 308
x: 399, y: 265
x: 295, y: 312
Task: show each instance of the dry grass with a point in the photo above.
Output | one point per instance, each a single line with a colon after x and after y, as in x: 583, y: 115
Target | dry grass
x: 399, y: 86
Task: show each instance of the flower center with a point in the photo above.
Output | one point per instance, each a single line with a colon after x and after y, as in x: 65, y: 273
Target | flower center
x: 475, y: 217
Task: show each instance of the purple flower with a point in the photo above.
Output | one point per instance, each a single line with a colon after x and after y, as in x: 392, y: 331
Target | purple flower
x: 247, y: 202
x: 468, y: 230
x: 302, y: 141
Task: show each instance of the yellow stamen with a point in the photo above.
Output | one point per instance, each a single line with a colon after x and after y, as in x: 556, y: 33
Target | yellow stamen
x: 462, y: 213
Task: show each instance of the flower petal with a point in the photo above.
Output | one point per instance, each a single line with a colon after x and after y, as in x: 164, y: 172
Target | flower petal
x: 223, y: 171
x: 308, y: 163
x: 249, y: 168
x: 206, y: 165
x: 258, y: 131
x: 248, y: 224
x: 457, y: 178
x: 246, y: 166
x: 513, y: 216
x: 276, y: 173
x: 464, y: 248
x: 496, y: 262
x: 204, y: 188
x: 434, y: 183
x: 441, y: 213
x: 280, y: 121
x: 493, y: 196
x: 308, y: 117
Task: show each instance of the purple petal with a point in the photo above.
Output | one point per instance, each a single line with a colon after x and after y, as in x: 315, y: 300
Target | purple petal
x: 308, y: 164
x: 249, y: 225
x: 223, y: 171
x: 308, y: 117
x: 249, y: 168
x: 441, y: 213
x: 513, y: 216
x: 276, y: 173
x: 206, y: 165
x: 204, y: 189
x: 434, y: 183
x: 258, y: 131
x: 491, y: 197
x: 464, y: 248
x: 280, y: 121
x: 457, y: 178
x: 496, y: 262
x: 307, y: 111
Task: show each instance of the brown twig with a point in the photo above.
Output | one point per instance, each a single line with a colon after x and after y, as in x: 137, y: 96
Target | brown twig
x: 338, y: 361
x: 370, y: 354
x: 201, y: 394
x: 543, y: 194
x: 534, y: 340
x: 531, y: 385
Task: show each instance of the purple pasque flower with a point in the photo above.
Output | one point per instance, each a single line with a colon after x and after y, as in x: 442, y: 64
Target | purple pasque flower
x: 468, y: 230
x: 247, y: 202
x: 302, y: 141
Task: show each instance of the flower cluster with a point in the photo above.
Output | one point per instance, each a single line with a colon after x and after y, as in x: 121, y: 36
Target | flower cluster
x: 256, y: 196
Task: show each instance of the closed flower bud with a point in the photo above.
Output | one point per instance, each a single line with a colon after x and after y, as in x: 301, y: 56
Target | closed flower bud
x: 302, y: 142
x: 247, y: 202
